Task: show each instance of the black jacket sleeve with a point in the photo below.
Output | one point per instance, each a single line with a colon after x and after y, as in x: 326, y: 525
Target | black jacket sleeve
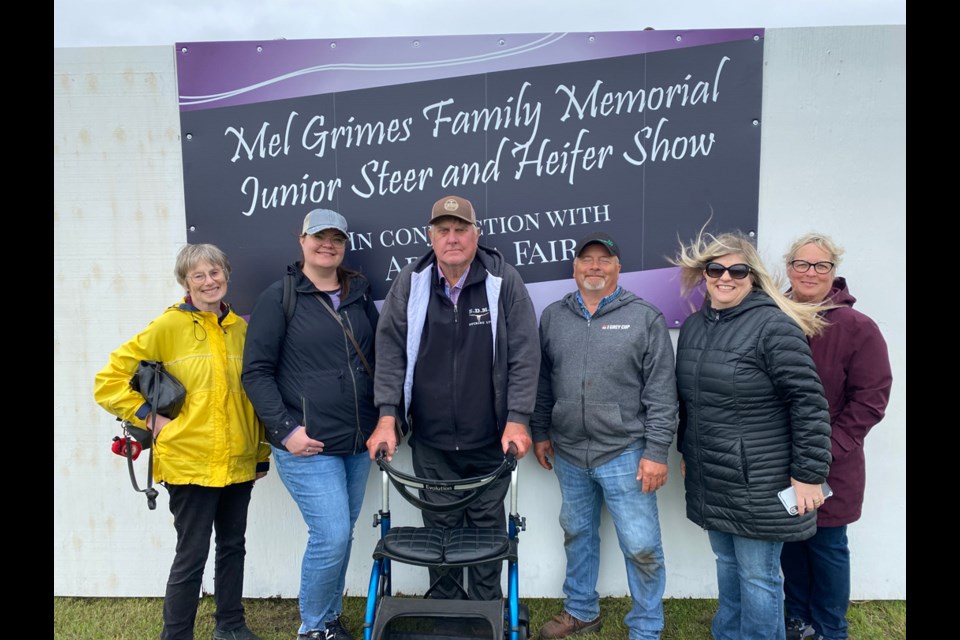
x: 790, y: 365
x: 261, y: 354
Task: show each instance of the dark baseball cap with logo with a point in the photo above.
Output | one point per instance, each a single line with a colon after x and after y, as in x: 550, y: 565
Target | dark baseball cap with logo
x: 597, y: 237
x: 453, y: 207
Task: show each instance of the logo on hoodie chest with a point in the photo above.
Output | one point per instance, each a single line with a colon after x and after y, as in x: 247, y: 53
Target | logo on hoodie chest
x: 478, y: 316
x: 614, y: 327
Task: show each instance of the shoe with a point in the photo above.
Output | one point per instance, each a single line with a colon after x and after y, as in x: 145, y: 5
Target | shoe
x: 565, y: 625
x: 336, y: 631
x: 797, y: 629
x: 240, y: 633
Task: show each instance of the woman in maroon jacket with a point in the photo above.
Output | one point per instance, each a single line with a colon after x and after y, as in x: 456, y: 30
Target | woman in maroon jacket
x: 851, y: 359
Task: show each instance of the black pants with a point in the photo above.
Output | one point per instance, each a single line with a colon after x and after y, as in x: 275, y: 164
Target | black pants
x: 483, y: 580
x: 196, y: 512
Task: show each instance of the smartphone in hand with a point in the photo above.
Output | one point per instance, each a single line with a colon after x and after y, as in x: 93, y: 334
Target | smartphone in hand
x: 789, y: 497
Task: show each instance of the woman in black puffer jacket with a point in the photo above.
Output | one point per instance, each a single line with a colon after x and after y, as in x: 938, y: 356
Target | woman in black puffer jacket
x: 754, y: 421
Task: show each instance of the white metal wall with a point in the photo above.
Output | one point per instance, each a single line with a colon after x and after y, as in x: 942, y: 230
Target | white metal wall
x: 833, y: 159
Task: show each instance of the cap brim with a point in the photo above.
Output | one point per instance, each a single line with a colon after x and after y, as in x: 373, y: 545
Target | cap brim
x: 313, y: 230
x: 599, y: 242
x: 451, y: 215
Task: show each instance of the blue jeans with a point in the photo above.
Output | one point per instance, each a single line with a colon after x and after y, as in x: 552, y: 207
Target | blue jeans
x: 637, y: 522
x: 751, y: 589
x: 329, y: 493
x: 816, y: 584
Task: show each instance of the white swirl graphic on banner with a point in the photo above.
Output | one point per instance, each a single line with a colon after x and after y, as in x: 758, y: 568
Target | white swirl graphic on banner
x: 545, y: 41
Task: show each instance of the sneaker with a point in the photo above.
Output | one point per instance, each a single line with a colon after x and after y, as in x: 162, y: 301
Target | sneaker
x: 240, y: 633
x: 797, y: 629
x: 333, y: 631
x: 565, y: 625
x: 336, y: 631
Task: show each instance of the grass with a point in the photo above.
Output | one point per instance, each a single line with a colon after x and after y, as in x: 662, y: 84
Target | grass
x: 278, y: 619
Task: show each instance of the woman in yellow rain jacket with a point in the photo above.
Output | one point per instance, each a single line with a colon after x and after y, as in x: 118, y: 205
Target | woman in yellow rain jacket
x: 209, y: 456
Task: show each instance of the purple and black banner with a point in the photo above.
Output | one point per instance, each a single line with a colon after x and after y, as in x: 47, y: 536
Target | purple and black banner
x: 644, y: 135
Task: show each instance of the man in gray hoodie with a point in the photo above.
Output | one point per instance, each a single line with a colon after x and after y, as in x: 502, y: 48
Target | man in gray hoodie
x: 606, y: 415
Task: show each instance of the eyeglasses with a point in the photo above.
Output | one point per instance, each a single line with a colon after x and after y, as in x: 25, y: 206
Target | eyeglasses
x: 337, y: 239
x: 802, y: 266
x: 200, y: 277
x: 605, y: 261
x: 737, y: 271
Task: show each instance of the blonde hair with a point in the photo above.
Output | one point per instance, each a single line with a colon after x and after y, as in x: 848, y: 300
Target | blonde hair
x: 693, y: 257
x: 191, y: 255
x: 823, y: 241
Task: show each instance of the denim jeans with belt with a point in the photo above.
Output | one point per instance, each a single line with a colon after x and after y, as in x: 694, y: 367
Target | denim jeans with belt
x: 751, y: 589
x: 637, y: 522
x: 329, y: 492
x: 816, y: 583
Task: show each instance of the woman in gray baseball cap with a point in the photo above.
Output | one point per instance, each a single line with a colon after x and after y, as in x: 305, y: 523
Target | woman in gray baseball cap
x: 307, y: 368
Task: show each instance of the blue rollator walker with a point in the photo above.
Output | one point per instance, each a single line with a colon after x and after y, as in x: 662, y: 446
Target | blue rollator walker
x: 446, y: 550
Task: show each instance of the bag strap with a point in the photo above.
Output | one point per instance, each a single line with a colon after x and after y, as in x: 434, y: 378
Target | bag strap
x: 346, y: 330
x: 289, y: 301
x: 356, y: 346
x: 150, y: 491
x: 128, y: 440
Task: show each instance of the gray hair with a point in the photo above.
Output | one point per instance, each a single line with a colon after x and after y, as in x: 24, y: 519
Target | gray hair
x: 822, y: 240
x: 191, y: 255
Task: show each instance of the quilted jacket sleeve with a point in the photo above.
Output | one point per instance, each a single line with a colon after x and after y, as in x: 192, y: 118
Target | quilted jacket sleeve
x: 786, y: 353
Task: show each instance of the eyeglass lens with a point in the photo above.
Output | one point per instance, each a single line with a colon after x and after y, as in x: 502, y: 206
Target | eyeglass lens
x: 200, y: 277
x: 802, y: 266
x: 736, y: 271
x: 335, y: 239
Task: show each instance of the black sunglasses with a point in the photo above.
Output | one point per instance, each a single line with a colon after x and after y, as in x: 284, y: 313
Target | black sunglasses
x: 737, y: 271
